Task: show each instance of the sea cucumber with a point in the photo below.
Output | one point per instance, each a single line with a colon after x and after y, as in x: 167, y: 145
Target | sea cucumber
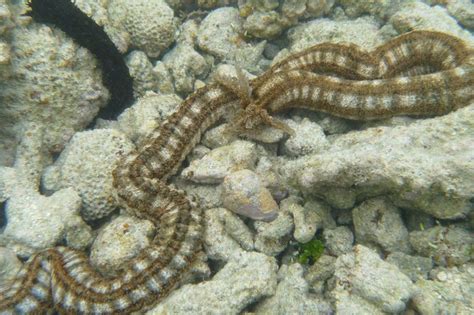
x: 418, y: 73
x: 62, y: 279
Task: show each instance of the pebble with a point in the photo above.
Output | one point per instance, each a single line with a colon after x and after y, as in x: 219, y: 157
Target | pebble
x: 416, y: 15
x: 118, y: 242
x: 185, y: 64
x: 305, y: 220
x: 378, y: 221
x: 86, y: 164
x: 243, y: 193
x: 245, y: 279
x: 220, y: 162
x: 52, y: 217
x: 364, y: 282
x: 309, y: 138
x: 320, y: 272
x: 219, y: 33
x: 272, y: 237
x: 9, y: 264
x: 449, y: 291
x: 293, y: 295
x: 141, y: 71
x: 225, y: 234
x: 338, y: 241
x: 146, y: 114
x: 447, y: 246
x: 415, y: 267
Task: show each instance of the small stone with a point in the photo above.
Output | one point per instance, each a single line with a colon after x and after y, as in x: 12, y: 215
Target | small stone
x: 218, y: 136
x: 243, y: 193
x: 118, y: 242
x: 50, y: 216
x: 267, y: 171
x: 452, y: 295
x: 309, y: 138
x: 198, y: 152
x: 416, y: 15
x: 225, y: 234
x: 292, y: 295
x: 447, y: 246
x: 185, y: 64
x: 79, y: 235
x: 364, y: 281
x: 9, y: 265
x: 150, y: 23
x: 306, y: 220
x: 245, y: 279
x: 219, y: 32
x: 141, y: 71
x: 264, y: 134
x: 86, y: 164
x: 207, y: 196
x: 415, y: 267
x: 321, y: 271
x: 382, y: 9
x: 263, y: 24
x: 338, y: 241
x: 273, y: 237
x: 377, y: 221
x: 220, y: 162
x: 163, y: 77
x: 463, y: 11
x: 442, y: 276
x: 323, y: 211
x: 145, y: 115
x: 363, y: 31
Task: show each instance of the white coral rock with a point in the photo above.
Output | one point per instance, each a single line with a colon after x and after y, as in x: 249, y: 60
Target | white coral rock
x: 86, y: 165
x: 150, y: 23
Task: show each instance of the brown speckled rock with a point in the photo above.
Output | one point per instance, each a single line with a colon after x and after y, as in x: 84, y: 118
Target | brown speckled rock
x: 243, y: 193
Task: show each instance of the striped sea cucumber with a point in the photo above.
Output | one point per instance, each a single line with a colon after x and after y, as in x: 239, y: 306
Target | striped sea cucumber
x: 418, y: 73
x: 61, y: 278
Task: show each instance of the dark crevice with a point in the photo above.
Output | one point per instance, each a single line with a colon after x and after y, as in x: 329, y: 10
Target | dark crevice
x: 3, y: 215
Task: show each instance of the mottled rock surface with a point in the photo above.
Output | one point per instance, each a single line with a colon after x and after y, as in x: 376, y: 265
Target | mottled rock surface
x: 225, y: 234
x: 243, y: 193
x: 87, y: 164
x: 338, y: 241
x: 9, y: 264
x: 378, y: 222
x: 447, y: 246
x: 365, y: 283
x: 54, y: 83
x: 220, y: 162
x: 422, y: 166
x: 450, y: 291
x: 245, y: 279
x: 119, y: 241
x: 149, y: 23
x: 415, y: 267
x: 292, y: 295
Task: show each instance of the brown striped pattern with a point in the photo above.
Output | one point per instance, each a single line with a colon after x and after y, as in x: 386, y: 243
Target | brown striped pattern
x: 420, y: 73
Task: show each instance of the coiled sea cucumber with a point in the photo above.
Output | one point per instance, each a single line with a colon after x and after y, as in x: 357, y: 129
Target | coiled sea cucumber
x: 62, y: 279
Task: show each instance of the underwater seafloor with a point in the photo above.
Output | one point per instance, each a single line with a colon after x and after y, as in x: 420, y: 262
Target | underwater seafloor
x: 371, y: 217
